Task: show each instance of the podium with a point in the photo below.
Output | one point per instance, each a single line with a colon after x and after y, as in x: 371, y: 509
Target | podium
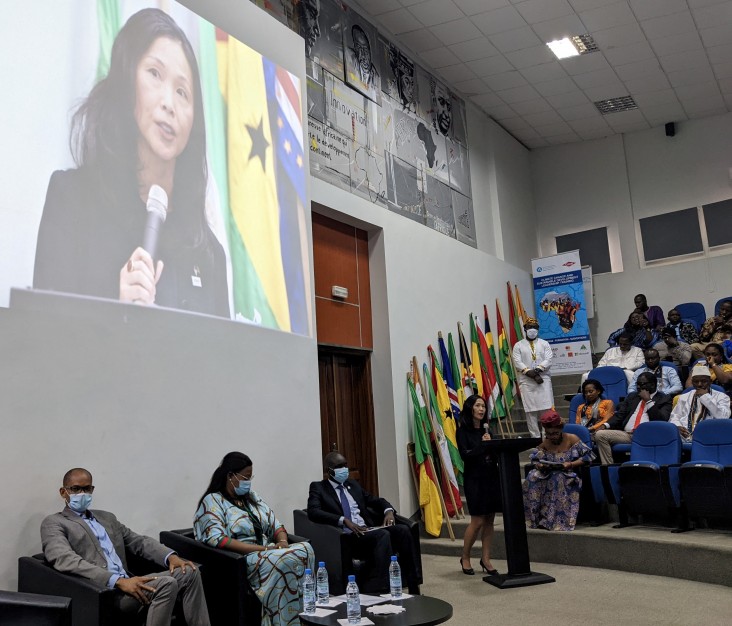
x: 514, y: 522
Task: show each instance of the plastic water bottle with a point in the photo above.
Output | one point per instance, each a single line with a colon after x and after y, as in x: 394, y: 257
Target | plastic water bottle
x: 353, y: 601
x: 308, y: 592
x: 395, y: 579
x: 321, y: 584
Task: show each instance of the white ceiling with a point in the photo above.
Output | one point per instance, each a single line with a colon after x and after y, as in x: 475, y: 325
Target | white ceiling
x: 673, y: 56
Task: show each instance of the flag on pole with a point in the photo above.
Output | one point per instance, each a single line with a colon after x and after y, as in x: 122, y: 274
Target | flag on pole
x: 493, y: 389
x: 520, y: 306
x: 456, y: 373
x: 478, y: 369
x: 466, y: 372
x: 446, y: 449
x: 515, y: 326
x: 449, y: 380
x: 505, y: 365
x: 449, y: 424
x: 429, y: 496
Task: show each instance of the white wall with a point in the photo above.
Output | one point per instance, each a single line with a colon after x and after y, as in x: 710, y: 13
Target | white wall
x: 614, y: 181
x: 423, y: 282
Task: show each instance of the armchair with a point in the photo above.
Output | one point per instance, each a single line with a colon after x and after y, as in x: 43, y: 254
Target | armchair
x: 230, y: 599
x: 91, y: 604
x: 333, y: 546
x: 31, y: 609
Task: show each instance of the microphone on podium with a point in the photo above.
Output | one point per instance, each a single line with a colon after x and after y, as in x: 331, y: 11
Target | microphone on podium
x: 487, y: 428
x: 157, y: 211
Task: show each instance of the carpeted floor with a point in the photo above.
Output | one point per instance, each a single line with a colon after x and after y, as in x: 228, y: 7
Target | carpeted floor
x: 581, y: 596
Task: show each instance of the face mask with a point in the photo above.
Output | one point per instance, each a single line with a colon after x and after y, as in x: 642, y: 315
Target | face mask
x: 532, y: 333
x: 340, y: 474
x: 243, y: 487
x: 79, y: 502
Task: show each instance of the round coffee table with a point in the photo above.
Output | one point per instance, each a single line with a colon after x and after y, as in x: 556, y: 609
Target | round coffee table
x: 420, y: 611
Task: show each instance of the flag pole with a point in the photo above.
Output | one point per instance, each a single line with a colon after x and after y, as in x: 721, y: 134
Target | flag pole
x: 443, y: 473
x: 509, y: 417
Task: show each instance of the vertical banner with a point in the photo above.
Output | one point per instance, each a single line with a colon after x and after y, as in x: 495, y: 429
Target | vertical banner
x: 560, y: 308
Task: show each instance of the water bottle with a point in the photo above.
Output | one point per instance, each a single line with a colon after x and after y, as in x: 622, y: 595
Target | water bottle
x: 308, y: 592
x: 321, y: 584
x: 395, y: 579
x: 353, y: 601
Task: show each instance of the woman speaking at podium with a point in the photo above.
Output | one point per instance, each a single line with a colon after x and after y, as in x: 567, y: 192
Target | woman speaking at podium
x: 141, y: 126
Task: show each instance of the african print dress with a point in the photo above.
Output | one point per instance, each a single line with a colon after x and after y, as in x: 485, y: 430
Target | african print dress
x: 551, y: 498
x: 274, y: 574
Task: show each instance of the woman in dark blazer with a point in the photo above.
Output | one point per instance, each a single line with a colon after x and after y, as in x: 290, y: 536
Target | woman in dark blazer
x: 480, y: 481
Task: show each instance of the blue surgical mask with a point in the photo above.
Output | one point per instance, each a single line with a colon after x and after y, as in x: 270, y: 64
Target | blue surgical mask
x: 340, y: 474
x: 243, y: 487
x: 80, y: 502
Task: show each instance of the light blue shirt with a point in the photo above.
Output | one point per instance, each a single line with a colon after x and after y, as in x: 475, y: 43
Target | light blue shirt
x: 668, y: 383
x: 355, y: 511
x: 114, y: 563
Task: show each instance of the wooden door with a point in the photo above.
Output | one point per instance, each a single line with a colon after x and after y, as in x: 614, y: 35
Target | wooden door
x: 347, y: 412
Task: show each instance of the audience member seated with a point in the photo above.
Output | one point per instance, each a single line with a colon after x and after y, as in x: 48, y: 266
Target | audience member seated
x: 552, y: 488
x: 713, y: 330
x: 595, y: 410
x: 676, y: 339
x: 339, y: 501
x: 646, y: 404
x: 92, y: 544
x: 703, y: 403
x: 667, y: 380
x: 625, y: 356
x: 719, y: 366
x: 231, y: 516
x: 639, y: 328
x: 654, y: 314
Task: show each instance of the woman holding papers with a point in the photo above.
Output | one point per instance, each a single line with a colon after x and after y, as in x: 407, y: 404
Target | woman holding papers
x: 552, y: 488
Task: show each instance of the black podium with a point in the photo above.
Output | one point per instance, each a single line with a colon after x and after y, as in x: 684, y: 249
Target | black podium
x: 514, y: 523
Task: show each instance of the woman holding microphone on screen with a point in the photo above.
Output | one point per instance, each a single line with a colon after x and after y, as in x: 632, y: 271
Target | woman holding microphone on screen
x: 139, y: 143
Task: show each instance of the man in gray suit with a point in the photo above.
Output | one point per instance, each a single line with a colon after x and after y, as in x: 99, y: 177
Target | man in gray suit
x: 92, y: 544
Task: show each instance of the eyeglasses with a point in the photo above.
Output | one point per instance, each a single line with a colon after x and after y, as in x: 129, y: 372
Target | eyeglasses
x: 240, y: 477
x: 80, y: 489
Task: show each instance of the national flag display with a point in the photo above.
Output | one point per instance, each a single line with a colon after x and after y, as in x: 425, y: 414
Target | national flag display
x: 449, y: 380
x: 508, y: 380
x: 515, y: 324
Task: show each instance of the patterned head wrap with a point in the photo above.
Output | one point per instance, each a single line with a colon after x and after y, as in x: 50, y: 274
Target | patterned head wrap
x: 551, y: 419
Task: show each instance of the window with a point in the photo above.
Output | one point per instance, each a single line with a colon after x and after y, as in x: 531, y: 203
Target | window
x: 671, y: 234
x: 718, y: 222
x: 593, y: 248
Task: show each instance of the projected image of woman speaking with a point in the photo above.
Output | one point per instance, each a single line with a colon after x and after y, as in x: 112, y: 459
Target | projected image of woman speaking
x: 139, y: 144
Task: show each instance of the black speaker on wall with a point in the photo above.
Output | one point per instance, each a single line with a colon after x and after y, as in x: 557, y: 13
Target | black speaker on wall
x: 670, y: 129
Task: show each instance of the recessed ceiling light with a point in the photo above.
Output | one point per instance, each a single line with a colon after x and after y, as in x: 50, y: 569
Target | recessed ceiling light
x: 563, y: 48
x: 616, y: 105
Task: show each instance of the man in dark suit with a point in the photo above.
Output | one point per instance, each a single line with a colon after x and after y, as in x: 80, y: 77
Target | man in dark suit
x: 342, y: 502
x: 92, y: 544
x: 645, y: 405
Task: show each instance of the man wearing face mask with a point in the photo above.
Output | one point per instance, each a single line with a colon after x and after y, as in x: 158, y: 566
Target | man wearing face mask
x: 92, y: 544
x: 340, y: 501
x: 532, y: 358
x: 645, y: 405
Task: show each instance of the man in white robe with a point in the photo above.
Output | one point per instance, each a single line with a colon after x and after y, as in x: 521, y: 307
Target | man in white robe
x: 532, y: 358
x: 700, y: 404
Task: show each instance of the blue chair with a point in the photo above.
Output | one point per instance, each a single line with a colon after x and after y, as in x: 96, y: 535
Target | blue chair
x: 692, y: 311
x: 574, y: 404
x: 644, y: 485
x: 706, y: 480
x: 613, y: 380
x: 592, y: 494
x: 719, y: 303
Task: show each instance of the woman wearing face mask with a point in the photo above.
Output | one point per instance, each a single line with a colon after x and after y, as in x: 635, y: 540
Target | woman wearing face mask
x: 552, y: 488
x: 231, y: 516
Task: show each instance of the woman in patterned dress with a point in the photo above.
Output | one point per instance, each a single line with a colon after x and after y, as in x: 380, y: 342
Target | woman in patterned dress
x: 552, y: 488
x: 232, y: 517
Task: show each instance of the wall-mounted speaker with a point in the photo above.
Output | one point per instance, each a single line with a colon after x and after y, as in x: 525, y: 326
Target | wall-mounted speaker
x: 670, y: 129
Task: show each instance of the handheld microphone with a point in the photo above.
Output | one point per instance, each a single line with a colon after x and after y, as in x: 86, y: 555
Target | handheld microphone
x: 487, y: 428
x: 157, y: 211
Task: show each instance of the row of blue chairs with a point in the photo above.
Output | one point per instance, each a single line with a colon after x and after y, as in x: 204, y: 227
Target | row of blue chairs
x: 655, y: 481
x: 695, y: 313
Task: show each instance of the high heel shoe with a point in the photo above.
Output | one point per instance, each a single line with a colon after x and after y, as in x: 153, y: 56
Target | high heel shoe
x: 490, y: 572
x: 469, y: 571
